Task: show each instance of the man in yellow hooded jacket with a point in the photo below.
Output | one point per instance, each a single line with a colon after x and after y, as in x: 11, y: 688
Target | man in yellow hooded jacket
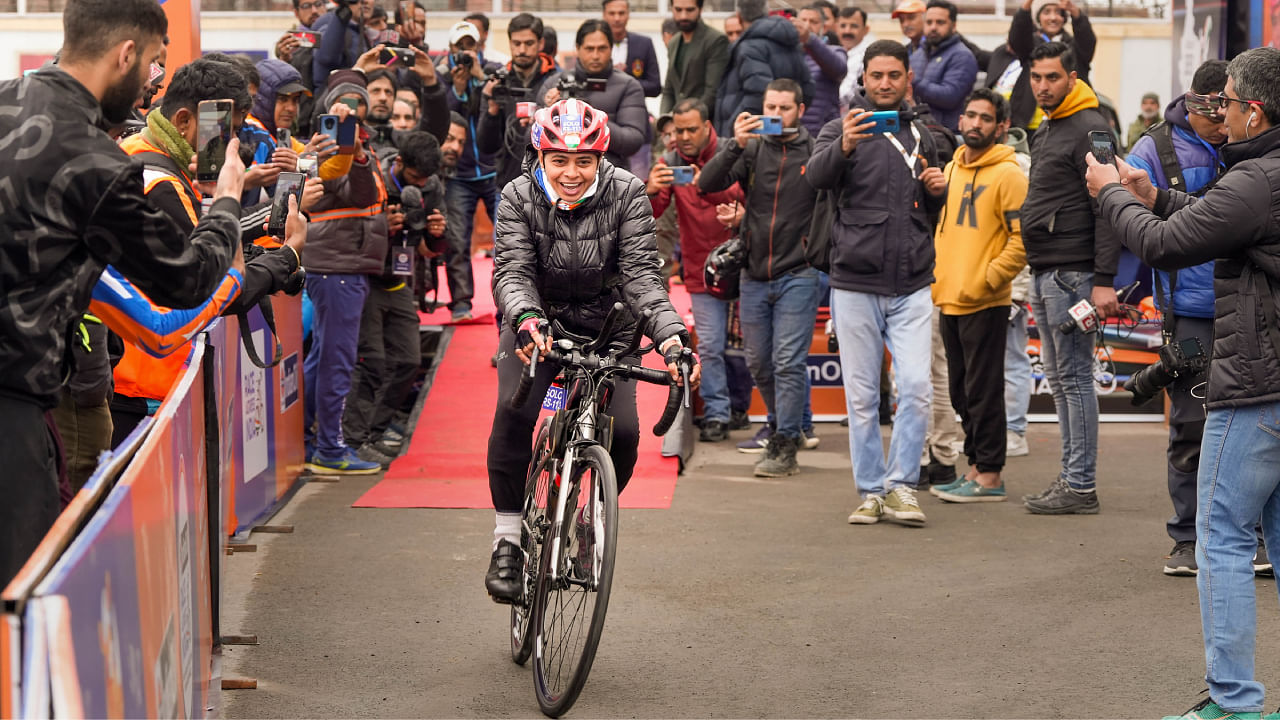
x: 978, y: 246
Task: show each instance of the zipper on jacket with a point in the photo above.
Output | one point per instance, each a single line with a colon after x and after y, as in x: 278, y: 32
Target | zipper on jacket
x: 774, y: 219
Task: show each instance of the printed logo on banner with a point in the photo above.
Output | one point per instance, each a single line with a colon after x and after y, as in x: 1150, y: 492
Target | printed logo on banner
x: 288, y: 382
x: 253, y: 401
x: 184, y: 588
x: 824, y: 370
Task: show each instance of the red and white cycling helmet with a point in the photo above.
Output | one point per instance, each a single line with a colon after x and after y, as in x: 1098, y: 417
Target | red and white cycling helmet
x: 570, y: 126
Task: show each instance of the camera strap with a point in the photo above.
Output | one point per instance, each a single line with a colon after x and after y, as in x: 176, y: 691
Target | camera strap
x: 246, y: 335
x: 908, y: 157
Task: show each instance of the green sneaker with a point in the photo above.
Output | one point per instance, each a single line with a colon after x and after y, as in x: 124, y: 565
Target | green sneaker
x: 869, y: 512
x: 1209, y: 710
x: 937, y: 490
x: 901, y: 506
x: 971, y: 492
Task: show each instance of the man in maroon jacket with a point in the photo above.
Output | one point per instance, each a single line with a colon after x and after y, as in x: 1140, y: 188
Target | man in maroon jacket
x: 700, y: 232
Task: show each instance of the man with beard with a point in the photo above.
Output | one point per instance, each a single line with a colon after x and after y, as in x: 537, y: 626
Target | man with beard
x: 696, y: 57
x: 1149, y: 115
x: 1073, y: 257
x: 1035, y: 23
x: 500, y: 131
x: 56, y: 243
x: 943, y: 67
x: 1182, y: 153
x: 299, y: 54
x: 910, y: 17
x: 622, y: 98
x: 462, y: 216
x: 881, y: 268
x: 382, y: 95
x: 978, y: 244
x: 855, y: 36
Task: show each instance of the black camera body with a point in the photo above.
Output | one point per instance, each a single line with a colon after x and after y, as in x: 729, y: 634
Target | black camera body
x: 572, y: 85
x: 504, y: 92
x: 414, y: 206
x: 461, y: 59
x: 1184, y: 358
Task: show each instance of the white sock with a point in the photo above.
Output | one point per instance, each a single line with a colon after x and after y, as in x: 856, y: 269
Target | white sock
x: 506, y: 526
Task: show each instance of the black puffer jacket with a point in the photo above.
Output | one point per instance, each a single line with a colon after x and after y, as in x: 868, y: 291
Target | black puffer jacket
x: 767, y: 50
x: 1238, y: 223
x: 572, y: 265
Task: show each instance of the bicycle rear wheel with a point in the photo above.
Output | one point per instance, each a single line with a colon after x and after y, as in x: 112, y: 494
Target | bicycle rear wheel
x: 533, y: 529
x: 570, y: 610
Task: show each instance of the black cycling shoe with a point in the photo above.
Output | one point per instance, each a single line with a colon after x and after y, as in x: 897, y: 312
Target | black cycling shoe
x: 505, y: 567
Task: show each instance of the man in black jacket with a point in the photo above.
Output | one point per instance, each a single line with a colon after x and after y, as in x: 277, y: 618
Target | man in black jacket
x: 1033, y: 25
x: 502, y: 131
x: 1234, y: 224
x: 1072, y: 257
x: 885, y: 186
x: 57, y: 241
x: 779, y: 291
x: 768, y: 49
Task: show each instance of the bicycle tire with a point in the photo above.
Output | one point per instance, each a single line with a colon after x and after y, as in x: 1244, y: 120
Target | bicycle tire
x: 559, y: 612
x: 533, y: 526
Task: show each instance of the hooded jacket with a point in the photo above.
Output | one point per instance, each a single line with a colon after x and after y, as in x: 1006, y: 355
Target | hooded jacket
x: 1023, y: 38
x: 944, y: 76
x: 700, y: 231
x: 1238, y: 223
x: 623, y: 101
x: 573, y: 265
x: 1059, y: 222
x: 767, y: 50
x: 779, y: 202
x: 275, y: 75
x: 1193, y: 290
x: 979, y: 241
x: 882, y: 240
x: 828, y: 65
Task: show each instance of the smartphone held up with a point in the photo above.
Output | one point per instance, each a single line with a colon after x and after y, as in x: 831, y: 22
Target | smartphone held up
x: 213, y: 134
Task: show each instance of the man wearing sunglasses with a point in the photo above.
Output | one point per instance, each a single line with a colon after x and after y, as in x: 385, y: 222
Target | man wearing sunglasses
x: 1182, y: 153
x: 1234, y: 223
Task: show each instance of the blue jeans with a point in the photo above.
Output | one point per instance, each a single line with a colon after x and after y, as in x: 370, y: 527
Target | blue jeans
x: 865, y: 324
x: 1017, y: 372
x: 777, y: 329
x: 1238, y: 485
x: 339, y: 304
x: 1068, y: 366
x: 711, y: 320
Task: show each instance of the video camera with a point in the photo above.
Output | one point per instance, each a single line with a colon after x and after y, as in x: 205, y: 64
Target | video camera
x: 504, y: 92
x: 572, y: 85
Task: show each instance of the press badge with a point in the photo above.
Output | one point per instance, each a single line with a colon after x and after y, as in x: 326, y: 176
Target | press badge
x: 402, y: 261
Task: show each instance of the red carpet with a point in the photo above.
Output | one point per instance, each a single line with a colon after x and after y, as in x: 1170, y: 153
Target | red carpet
x: 444, y: 466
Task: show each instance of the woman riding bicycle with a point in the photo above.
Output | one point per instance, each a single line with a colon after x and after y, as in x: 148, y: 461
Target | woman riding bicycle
x: 574, y: 235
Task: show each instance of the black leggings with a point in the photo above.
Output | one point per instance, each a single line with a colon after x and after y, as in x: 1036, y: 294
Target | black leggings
x: 511, y: 440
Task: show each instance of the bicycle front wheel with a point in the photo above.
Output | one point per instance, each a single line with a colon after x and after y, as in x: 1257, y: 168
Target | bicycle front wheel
x: 570, y: 609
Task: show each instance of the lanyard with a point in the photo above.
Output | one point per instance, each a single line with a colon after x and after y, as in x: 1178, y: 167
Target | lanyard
x: 910, y: 158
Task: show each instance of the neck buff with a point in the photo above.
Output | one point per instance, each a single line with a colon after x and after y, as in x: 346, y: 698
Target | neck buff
x: 160, y: 130
x: 555, y: 199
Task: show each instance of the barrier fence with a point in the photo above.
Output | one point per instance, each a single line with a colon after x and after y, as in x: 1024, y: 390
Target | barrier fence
x: 116, y: 613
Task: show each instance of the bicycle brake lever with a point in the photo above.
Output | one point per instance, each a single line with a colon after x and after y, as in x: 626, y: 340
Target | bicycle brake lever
x: 533, y: 362
x: 684, y: 374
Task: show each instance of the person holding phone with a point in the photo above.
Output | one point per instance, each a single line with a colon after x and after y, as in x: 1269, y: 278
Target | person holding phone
x: 1073, y: 257
x: 53, y: 257
x: 1035, y: 23
x: 884, y: 187
x: 700, y: 232
x: 779, y: 291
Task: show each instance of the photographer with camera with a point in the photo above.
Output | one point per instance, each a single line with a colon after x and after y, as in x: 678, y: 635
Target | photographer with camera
x: 605, y: 88
x: 166, y: 150
x: 504, y: 121
x: 1233, y: 224
x: 1182, y: 153
x: 390, y: 347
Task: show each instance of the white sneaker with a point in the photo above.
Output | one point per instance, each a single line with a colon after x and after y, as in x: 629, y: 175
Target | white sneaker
x: 811, y: 439
x: 1015, y: 444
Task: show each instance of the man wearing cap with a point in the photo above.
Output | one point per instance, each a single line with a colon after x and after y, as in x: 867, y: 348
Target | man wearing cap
x: 473, y: 178
x: 910, y: 17
x: 1148, y: 116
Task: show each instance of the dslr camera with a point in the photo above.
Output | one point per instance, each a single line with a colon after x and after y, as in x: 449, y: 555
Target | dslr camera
x: 1185, y: 358
x: 461, y: 60
x: 573, y: 85
x: 503, y: 92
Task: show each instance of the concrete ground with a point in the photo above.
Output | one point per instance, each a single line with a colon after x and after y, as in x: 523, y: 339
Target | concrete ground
x: 750, y: 598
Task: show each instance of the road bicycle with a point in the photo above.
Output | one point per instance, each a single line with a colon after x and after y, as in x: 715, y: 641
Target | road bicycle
x: 569, y: 527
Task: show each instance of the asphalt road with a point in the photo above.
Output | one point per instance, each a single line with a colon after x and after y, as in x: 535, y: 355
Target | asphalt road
x: 750, y: 598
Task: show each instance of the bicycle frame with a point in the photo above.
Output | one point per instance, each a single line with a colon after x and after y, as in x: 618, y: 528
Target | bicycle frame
x: 582, y: 432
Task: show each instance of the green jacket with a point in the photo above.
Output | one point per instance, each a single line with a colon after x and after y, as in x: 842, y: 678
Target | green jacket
x: 702, y: 63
